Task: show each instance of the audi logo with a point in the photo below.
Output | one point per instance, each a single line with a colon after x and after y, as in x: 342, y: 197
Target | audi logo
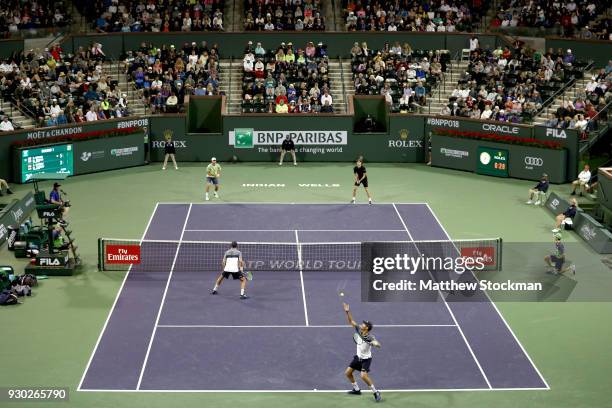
x: 534, y: 161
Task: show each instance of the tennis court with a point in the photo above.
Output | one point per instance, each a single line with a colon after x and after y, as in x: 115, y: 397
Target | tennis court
x: 165, y: 332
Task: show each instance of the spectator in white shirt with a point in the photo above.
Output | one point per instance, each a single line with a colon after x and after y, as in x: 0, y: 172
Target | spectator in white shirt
x: 583, y: 180
x: 326, y: 97
x: 91, y: 115
x: 474, y: 43
x: 6, y: 125
x: 487, y: 112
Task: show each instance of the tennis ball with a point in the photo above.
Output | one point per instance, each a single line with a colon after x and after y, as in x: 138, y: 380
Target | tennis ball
x: 342, y: 294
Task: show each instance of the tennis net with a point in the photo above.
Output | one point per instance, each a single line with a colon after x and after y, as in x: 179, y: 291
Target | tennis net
x: 202, y: 256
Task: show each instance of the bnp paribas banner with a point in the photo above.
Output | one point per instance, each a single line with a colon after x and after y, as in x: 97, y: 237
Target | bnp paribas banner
x: 314, y: 142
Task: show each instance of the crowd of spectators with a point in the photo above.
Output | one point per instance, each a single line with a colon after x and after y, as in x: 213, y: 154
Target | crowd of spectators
x: 18, y: 15
x: 278, y: 15
x: 405, y: 77
x: 511, y: 85
x: 414, y: 15
x: 574, y: 17
x: 166, y: 76
x: 154, y: 16
x: 582, y: 112
x: 286, y: 79
x: 58, y: 88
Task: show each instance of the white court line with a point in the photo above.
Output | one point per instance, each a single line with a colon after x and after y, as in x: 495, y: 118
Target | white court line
x: 313, y: 391
x: 299, y: 252
x: 291, y: 230
x: 110, y: 312
x: 446, y: 304
x: 332, y: 326
x: 161, y: 305
x: 283, y: 203
x: 495, y: 307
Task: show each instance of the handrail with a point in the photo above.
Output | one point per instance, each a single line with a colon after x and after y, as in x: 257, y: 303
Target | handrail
x: 572, y: 82
x: 229, y: 86
x: 342, y: 80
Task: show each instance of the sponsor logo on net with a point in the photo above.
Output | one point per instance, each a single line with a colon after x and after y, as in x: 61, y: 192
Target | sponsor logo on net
x: 459, y: 154
x: 443, y: 122
x: 125, y: 151
x: 531, y: 162
x: 248, y: 138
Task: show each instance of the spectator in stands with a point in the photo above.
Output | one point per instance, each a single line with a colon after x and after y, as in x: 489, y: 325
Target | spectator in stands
x: 539, y: 191
x: 292, y: 15
x: 391, y: 15
x: 281, y: 107
x: 161, y: 16
x: 567, y: 216
x: 297, y: 77
x: 583, y: 180
x: 4, y: 185
x: 6, y: 125
x: 91, y: 115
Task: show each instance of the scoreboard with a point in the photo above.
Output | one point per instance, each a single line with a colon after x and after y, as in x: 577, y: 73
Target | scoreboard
x: 48, y: 159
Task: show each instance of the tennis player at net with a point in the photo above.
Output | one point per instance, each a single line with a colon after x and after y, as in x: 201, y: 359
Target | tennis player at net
x: 363, y: 359
x: 233, y: 266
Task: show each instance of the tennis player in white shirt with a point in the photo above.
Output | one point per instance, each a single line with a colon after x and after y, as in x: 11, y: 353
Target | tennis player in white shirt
x: 233, y: 266
x: 363, y: 359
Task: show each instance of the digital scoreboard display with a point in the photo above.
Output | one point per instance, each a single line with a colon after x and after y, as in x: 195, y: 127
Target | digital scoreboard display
x: 48, y: 159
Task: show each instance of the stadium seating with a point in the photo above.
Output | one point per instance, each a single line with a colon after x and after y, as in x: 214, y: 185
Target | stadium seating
x: 404, y: 76
x: 166, y: 76
x: 413, y: 15
x: 294, y: 78
x: 283, y: 15
x: 16, y: 15
x: 511, y: 85
x: 160, y: 16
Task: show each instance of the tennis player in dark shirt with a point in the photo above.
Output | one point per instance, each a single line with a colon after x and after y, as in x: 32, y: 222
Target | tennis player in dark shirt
x: 287, y: 146
x: 361, y: 178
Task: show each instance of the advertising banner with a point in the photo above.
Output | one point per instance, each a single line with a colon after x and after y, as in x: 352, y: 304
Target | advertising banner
x: 110, y: 153
x: 15, y: 213
x: 598, y: 237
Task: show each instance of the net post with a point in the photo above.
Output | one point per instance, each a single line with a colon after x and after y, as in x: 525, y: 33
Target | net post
x: 100, y: 255
x: 499, y: 253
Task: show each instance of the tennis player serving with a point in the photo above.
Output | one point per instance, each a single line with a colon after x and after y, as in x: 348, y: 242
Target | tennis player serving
x: 213, y: 172
x: 361, y: 178
x: 363, y: 359
x: 233, y: 266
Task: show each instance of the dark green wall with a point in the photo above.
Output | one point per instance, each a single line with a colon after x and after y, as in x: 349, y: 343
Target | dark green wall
x: 599, y: 51
x: 232, y: 44
x: 7, y: 47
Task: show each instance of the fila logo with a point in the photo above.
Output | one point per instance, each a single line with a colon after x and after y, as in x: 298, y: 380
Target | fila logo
x: 50, y: 261
x: 534, y: 161
x: 556, y: 133
x: 48, y: 214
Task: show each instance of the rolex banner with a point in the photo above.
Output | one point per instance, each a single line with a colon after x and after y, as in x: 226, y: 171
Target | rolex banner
x: 492, y: 162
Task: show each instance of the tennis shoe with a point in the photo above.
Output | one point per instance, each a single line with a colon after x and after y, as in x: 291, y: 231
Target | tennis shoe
x: 556, y: 230
x: 207, y: 198
x: 294, y: 163
x: 538, y: 203
x: 280, y: 164
x: 529, y: 202
x: 213, y: 292
x: 573, y: 269
x: 243, y: 297
x: 164, y: 168
x: 377, y: 396
x: 354, y: 392
x: 216, y: 195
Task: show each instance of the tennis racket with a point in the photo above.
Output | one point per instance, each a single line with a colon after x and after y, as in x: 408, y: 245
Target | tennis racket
x: 248, y: 275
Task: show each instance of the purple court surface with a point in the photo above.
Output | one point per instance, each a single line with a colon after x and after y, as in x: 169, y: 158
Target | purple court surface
x: 166, y: 333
